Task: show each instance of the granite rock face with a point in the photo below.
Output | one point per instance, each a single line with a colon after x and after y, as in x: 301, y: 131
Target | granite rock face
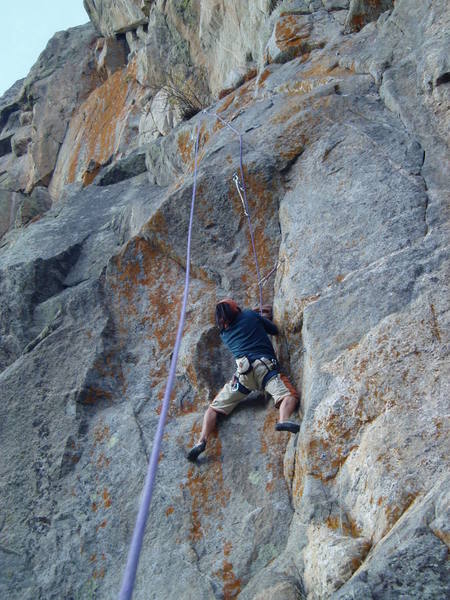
x: 113, y: 17
x: 35, y: 113
x: 345, y: 145
x: 362, y: 12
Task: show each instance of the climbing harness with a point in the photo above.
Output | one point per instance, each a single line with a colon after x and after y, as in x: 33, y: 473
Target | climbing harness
x: 272, y: 367
x: 129, y: 577
x: 237, y: 385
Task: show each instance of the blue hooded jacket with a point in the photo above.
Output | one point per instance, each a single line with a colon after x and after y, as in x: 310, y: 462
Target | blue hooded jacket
x: 248, y: 336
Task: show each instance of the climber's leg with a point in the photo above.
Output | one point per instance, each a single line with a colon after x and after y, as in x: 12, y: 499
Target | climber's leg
x: 226, y: 400
x: 286, y: 399
x: 209, y: 424
x: 287, y: 407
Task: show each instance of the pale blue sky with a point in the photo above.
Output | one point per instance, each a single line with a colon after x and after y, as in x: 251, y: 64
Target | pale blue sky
x: 27, y: 25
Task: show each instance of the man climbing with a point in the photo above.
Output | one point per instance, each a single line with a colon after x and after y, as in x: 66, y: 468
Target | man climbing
x: 245, y: 333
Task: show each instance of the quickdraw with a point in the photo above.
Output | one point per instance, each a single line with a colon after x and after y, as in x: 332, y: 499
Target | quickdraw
x: 239, y: 190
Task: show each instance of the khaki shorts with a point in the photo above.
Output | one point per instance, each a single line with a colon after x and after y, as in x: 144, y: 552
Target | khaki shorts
x: 230, y: 395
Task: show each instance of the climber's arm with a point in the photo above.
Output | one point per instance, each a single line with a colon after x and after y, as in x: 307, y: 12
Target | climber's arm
x: 270, y: 327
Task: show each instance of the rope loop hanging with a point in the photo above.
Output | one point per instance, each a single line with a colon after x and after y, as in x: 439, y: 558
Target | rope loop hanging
x: 240, y: 185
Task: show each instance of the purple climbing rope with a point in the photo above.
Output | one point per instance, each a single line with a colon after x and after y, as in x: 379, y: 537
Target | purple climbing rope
x: 246, y: 208
x: 129, y: 577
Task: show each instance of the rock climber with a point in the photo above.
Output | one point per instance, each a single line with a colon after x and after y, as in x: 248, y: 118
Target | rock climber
x: 246, y: 335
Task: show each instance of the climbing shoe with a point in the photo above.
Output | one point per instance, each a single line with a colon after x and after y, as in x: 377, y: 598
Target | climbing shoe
x: 288, y: 426
x: 195, y: 452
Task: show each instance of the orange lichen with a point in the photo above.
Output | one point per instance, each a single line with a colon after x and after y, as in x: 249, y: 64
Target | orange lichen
x: 344, y: 524
x: 96, y: 129
x: 307, y: 112
x: 202, y: 144
x: 321, y: 68
x: 143, y: 275
x: 102, y: 461
x: 207, y: 489
x: 169, y: 510
x: 106, y: 498
x: 225, y: 92
x: 101, y: 433
x: 185, y: 147
x: 353, y: 528
x: 140, y: 266
x: 264, y: 75
x: 300, y: 472
x: 357, y: 22
x: 89, y: 175
x: 444, y: 536
x: 94, y: 395
x: 157, y: 223
x: 434, y: 326
x: 438, y: 424
x: 217, y: 126
x: 102, y: 525
x: 358, y: 561
x: 238, y: 99
x: 394, y: 512
x: 270, y: 486
x: 245, y: 93
x: 332, y: 523
x: 290, y: 146
x: 290, y: 34
x: 99, y: 574
x: 250, y: 75
x: 231, y: 584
